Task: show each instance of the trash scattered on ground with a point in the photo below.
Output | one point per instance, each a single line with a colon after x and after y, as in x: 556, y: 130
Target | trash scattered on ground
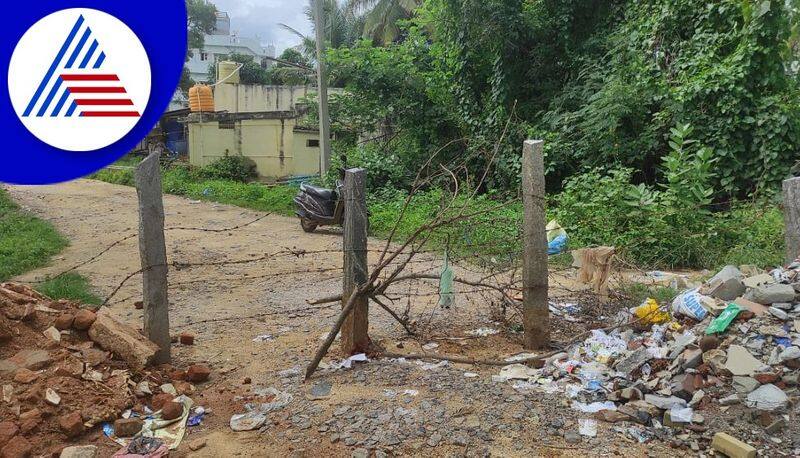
x: 256, y: 413
x: 149, y: 447
x: 732, y: 342
x: 263, y: 338
x: 483, y: 332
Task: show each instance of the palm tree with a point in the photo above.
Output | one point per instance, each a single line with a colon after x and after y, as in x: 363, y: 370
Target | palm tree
x: 342, y: 27
x: 382, y: 16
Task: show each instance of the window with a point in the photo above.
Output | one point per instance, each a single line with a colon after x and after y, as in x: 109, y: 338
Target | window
x: 312, y: 143
x: 203, y: 56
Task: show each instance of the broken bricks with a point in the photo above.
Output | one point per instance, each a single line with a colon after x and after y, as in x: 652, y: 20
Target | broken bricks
x: 127, y: 427
x: 198, y: 373
x: 71, y: 424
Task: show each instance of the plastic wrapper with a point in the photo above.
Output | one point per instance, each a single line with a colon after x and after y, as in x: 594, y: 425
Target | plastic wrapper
x: 690, y: 304
x: 557, y: 238
x: 721, y: 323
x: 650, y: 313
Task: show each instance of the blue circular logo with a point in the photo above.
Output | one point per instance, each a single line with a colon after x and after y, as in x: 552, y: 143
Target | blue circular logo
x: 86, y: 83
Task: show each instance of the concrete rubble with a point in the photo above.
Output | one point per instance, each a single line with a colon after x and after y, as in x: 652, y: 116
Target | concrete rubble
x: 665, y: 380
x: 68, y: 371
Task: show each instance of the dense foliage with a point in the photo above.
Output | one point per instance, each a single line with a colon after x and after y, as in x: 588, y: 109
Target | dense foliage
x: 602, y: 81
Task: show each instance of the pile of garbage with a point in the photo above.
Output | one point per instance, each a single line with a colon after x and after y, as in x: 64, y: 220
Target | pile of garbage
x: 66, y: 370
x: 728, y: 348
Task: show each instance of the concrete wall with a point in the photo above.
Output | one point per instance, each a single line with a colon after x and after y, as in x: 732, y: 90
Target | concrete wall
x: 248, y: 98
x: 273, y: 144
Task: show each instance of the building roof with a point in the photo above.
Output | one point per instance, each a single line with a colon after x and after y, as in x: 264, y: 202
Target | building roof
x: 231, y: 41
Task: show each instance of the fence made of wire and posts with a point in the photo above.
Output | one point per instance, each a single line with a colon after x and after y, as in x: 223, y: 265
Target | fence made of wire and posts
x: 468, y: 272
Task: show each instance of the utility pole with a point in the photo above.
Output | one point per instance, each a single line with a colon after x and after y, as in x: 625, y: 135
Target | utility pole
x: 322, y: 89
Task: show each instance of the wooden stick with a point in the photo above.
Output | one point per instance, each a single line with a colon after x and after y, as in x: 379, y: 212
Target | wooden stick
x: 323, y: 349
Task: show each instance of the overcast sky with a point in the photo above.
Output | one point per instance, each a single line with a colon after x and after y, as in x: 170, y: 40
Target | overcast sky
x: 260, y: 18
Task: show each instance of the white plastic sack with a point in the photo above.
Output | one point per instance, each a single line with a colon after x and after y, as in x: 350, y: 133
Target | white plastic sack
x: 689, y: 303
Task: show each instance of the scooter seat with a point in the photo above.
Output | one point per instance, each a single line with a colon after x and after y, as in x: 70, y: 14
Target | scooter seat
x: 322, y: 193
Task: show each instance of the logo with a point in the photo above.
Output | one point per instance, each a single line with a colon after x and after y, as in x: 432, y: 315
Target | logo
x: 79, y: 79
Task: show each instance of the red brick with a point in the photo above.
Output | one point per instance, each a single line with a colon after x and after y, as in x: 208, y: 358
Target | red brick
x: 8, y: 429
x: 127, y: 427
x: 159, y: 400
x: 71, y: 424
x: 26, y: 376
x: 198, y: 373
x: 177, y: 375
x: 84, y: 320
x: 17, y: 447
x: 766, y: 378
x: 186, y: 338
x: 28, y: 421
x: 172, y: 410
x: 64, y: 321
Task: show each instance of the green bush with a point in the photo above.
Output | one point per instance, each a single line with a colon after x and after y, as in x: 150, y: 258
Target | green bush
x: 235, y: 168
x: 652, y: 229
x: 385, y: 169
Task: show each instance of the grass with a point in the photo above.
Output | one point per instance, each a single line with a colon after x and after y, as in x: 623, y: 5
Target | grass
x: 183, y: 181
x: 747, y: 234
x: 638, y: 293
x: 72, y: 286
x: 27, y: 243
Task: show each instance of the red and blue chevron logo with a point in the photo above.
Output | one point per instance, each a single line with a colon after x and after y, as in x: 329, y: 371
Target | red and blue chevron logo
x: 77, y: 65
x: 76, y: 83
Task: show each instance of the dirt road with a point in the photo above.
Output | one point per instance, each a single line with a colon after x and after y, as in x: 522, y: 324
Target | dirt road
x: 392, y: 407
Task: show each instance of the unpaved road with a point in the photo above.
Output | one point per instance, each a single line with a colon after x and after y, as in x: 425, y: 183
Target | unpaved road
x: 227, y: 306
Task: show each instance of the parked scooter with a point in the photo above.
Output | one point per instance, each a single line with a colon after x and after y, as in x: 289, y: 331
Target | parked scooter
x: 319, y: 206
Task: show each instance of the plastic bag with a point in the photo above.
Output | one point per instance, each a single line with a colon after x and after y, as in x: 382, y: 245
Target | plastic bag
x: 446, y: 294
x: 554, y: 230
x: 556, y: 238
x: 650, y: 313
x: 721, y: 323
x: 689, y: 304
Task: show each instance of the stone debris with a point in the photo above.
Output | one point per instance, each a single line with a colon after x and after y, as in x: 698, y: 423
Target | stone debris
x: 51, y: 397
x: 732, y: 447
x: 79, y: 451
x: 664, y: 374
x: 60, y: 385
x: 122, y: 340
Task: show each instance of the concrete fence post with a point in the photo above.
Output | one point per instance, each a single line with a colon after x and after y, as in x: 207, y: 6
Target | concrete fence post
x: 355, y: 330
x: 153, y: 254
x: 536, y: 311
x: 791, y: 205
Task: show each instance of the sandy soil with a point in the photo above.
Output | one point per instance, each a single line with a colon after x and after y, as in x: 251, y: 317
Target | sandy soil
x: 226, y: 308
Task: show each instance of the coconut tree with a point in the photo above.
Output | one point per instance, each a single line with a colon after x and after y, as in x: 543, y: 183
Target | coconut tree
x: 381, y: 17
x: 343, y: 27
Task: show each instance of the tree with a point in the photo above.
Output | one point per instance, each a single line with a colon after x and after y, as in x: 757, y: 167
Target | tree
x: 289, y: 75
x: 202, y: 18
x: 250, y: 72
x: 381, y: 17
x: 343, y: 28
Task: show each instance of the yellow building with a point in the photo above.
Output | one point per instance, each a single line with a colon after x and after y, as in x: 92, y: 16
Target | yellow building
x: 273, y: 140
x: 258, y: 122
